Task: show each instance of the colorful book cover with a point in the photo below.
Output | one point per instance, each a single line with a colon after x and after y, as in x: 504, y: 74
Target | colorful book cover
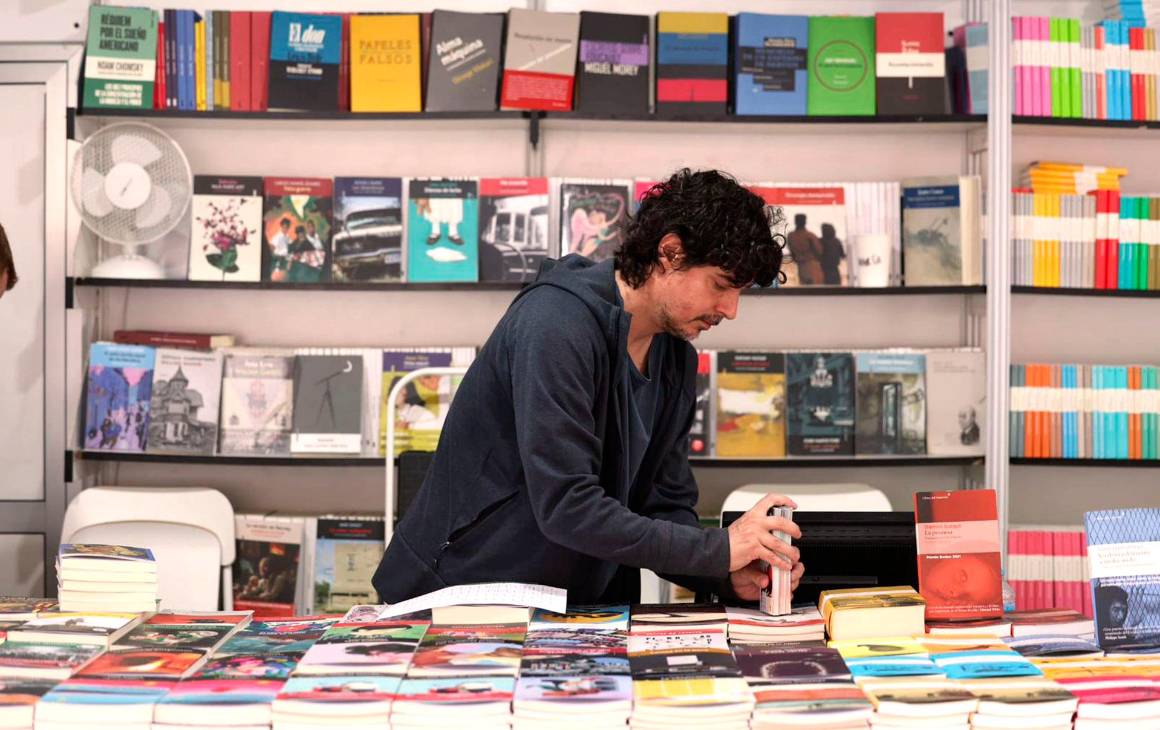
x: 358, y: 657
x: 134, y: 663
x: 537, y: 663
x: 257, y: 404
x: 455, y: 690
x: 592, y: 217
x: 189, y: 637
x: 891, y: 403
x: 328, y: 393
x: 692, y: 63
x: 910, y: 63
x: 750, y: 418
x: 267, y: 568
x: 592, y: 617
x: 226, y: 238
x: 385, y: 63
x: 346, y: 554
x: 814, y: 221
x: 792, y: 666
x: 421, y: 405
x: 118, y: 393
x: 612, y: 71
x: 513, y: 227
x: 120, y: 58
x: 304, y: 57
x: 296, y: 229
x: 956, y: 402
x: 842, y: 66
x: 97, y: 691
x: 579, y: 694
x: 368, y: 229
x: 540, y: 60
x: 702, y: 432
x: 387, y: 630
x: 820, y: 392
x: 1122, y: 545
x: 271, y: 665
x: 464, y: 61
x: 19, y: 658
x: 959, y: 565
x: 442, y: 230
x: 184, y: 407
x: 469, y: 651
x: 328, y: 691
x: 217, y: 692
x: 771, y: 64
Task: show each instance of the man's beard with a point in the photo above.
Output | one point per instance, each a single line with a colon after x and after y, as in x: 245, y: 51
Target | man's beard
x: 688, y: 333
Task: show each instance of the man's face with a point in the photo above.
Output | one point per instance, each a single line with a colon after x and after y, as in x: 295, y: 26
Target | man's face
x: 3, y: 282
x: 694, y: 299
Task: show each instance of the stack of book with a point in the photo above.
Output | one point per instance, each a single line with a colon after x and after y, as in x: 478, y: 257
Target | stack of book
x: 749, y: 626
x: 106, y: 578
x: 857, y: 613
x: 799, y: 684
x: 1026, y: 703
x: 775, y: 597
x: 1047, y: 567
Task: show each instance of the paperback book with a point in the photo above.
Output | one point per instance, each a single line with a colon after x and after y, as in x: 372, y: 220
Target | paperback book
x: 513, y: 228
x: 297, y: 230
x: 184, y: 406
x: 257, y: 404
x: 118, y: 393
x: 368, y: 229
x: 820, y: 390
x: 226, y: 237
x: 442, y: 230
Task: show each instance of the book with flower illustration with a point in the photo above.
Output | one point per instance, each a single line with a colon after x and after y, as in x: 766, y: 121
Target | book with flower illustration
x: 225, y: 242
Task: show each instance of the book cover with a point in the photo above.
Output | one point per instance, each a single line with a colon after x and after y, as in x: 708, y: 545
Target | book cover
x: 346, y: 554
x: 78, y: 624
x: 327, y: 416
x: 890, y: 403
x: 191, y: 637
x: 268, y: 564
x: 196, y: 693
x: 368, y: 229
x: 513, y: 227
x: 592, y: 216
x: 421, y: 404
x: 118, y: 392
x: 539, y: 663
x: 792, y: 666
x: 257, y: 404
x: 120, y: 58
x: 296, y: 229
x: 99, y: 696
x: 815, y: 233
x: 842, y: 66
x: 304, y: 57
x: 277, y: 636
x: 385, y: 63
x: 612, y: 71
x: 454, y: 690
x: 910, y: 63
x: 593, y: 617
x: 539, y: 60
x: 184, y: 407
x: 464, y: 61
x: 702, y: 432
x: 574, y: 694
x: 442, y: 230
x: 770, y: 58
x: 692, y: 64
x: 225, y: 241
x: 411, y: 631
x: 959, y: 565
x: 932, y: 243
x: 750, y: 418
x: 42, y: 659
x: 321, y: 696
x: 134, y: 663
x: 820, y: 391
x: 956, y: 402
x: 1122, y: 545
x: 358, y: 657
x: 469, y: 651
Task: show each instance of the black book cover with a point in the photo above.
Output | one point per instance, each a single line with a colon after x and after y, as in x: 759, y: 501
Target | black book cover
x: 327, y: 404
x: 612, y: 70
x: 820, y: 390
x: 912, y: 96
x: 304, y: 57
x: 463, y: 61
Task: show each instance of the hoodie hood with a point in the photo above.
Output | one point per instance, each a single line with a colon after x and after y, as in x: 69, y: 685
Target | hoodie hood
x: 592, y: 283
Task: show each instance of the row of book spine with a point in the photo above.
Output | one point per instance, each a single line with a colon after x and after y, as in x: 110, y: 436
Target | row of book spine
x: 1048, y: 568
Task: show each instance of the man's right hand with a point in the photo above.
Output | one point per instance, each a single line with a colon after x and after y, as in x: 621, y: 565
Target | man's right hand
x: 751, y: 536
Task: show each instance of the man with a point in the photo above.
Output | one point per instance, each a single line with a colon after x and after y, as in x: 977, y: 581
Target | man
x: 564, y: 456
x: 8, y: 276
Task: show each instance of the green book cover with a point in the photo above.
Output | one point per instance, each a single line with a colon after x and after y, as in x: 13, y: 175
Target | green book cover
x: 120, y: 58
x: 1154, y: 246
x: 1053, y: 38
x: 841, y: 67
x: 1074, y: 72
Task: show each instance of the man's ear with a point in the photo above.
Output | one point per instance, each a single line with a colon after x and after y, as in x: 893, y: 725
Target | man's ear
x: 670, y: 252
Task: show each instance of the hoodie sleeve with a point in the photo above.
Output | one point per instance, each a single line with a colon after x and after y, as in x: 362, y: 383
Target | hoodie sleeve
x: 555, y: 351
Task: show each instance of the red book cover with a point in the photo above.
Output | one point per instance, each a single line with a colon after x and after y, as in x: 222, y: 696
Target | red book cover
x: 159, y: 83
x: 959, y: 568
x: 191, y: 340
x: 1101, y: 90
x: 344, y: 66
x: 910, y: 63
x: 1136, y: 51
x: 1113, y: 263
x: 1101, y: 237
x: 506, y: 186
x: 1016, y: 566
x: 534, y: 90
x: 259, y: 60
x: 240, y: 79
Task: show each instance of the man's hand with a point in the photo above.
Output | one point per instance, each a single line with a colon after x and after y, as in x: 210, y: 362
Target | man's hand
x: 751, y: 580
x: 751, y: 537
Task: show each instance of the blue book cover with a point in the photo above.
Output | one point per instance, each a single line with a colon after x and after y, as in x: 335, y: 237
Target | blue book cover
x: 770, y: 58
x: 893, y: 666
x: 118, y: 391
x: 977, y: 65
x: 442, y: 230
x: 108, y: 692
x: 368, y: 229
x: 304, y: 55
x: 190, y: 61
x: 984, y: 664
x: 1123, y: 548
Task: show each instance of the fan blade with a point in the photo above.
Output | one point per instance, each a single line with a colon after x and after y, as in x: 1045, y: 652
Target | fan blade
x: 93, y: 194
x: 155, y: 209
x: 134, y: 148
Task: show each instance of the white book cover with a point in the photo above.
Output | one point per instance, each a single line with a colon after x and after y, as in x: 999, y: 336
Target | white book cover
x: 184, y: 410
x: 956, y: 402
x: 225, y: 242
x: 257, y: 404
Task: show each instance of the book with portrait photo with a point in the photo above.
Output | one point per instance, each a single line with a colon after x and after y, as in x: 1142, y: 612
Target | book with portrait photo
x: 296, y: 230
x: 1125, y: 579
x: 813, y: 222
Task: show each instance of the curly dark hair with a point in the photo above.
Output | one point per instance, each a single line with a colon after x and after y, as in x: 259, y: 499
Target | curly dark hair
x: 720, y: 223
x: 6, y: 263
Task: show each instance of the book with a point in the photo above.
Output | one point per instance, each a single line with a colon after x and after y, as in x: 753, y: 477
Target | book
x: 572, y: 698
x: 368, y: 229
x: 595, y: 617
x: 98, y: 629
x: 612, y: 69
x: 941, y: 235
x: 539, y: 60
x: 18, y: 609
x: 272, y: 636
x: 100, y: 702
x: 820, y: 395
x: 464, y: 61
x: 257, y: 404
x: 703, y: 431
x: 910, y: 63
x: 269, y: 570
x: 192, y: 637
x: 327, y: 418
x: 120, y: 58
x: 226, y: 230
x: 118, y: 392
x: 385, y: 59
x: 303, y: 63
x: 841, y: 66
x: 44, y: 660
x: 791, y: 666
x: 1124, y: 577
x: 152, y: 663
x: 814, y: 220
x: 188, y: 340
x: 856, y: 613
x: 956, y: 402
x: 442, y: 230
x: 891, y: 403
x: 18, y: 700
x: 959, y: 564
x: 296, y: 229
x: 184, y: 406
x: 422, y: 404
x: 357, y: 657
x: 592, y: 216
x: 692, y: 64
x: 106, y: 562
x: 246, y: 702
x: 463, y: 651
x: 323, y: 699
x: 346, y: 552
x: 770, y: 59
x: 513, y: 227
x: 750, y: 414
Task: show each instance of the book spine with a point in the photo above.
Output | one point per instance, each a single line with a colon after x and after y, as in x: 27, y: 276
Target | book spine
x: 163, y: 339
x: 239, y: 57
x: 199, y: 65
x: 259, y: 60
x: 159, y: 92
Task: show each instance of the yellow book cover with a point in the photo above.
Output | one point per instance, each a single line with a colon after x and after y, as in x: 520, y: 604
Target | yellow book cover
x: 868, y: 648
x: 692, y: 23
x: 750, y: 405
x: 853, y: 598
x: 199, y: 65
x: 216, y: 71
x: 385, y: 63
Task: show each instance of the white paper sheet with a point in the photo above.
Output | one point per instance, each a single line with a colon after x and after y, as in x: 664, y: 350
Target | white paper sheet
x: 501, y: 594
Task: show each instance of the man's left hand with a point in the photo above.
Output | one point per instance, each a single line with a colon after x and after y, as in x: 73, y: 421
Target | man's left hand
x: 749, y: 581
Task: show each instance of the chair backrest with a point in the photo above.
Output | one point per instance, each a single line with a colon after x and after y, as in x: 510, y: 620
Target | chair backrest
x: 850, y: 497
x: 190, y: 531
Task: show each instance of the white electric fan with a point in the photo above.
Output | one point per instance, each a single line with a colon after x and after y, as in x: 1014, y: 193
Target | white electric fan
x: 132, y: 185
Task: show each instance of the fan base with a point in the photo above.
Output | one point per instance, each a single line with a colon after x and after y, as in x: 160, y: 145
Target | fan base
x: 128, y: 267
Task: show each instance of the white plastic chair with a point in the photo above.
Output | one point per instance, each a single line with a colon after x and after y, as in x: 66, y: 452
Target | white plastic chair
x: 189, y: 529
x: 851, y: 497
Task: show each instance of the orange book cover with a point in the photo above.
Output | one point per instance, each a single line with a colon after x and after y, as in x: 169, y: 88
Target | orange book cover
x: 958, y: 554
